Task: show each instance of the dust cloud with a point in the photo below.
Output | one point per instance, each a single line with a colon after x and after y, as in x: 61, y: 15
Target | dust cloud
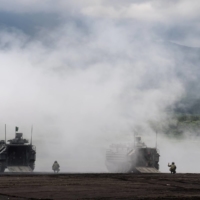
x: 87, y: 83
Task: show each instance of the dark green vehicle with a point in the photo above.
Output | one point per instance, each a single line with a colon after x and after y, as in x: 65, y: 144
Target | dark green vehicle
x: 17, y: 155
x: 135, y: 158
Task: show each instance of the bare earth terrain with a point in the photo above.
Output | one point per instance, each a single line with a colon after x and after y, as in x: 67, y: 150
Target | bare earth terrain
x: 99, y: 186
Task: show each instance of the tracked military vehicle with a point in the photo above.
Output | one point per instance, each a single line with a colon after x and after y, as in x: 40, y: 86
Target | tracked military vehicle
x: 18, y: 153
x: 135, y: 157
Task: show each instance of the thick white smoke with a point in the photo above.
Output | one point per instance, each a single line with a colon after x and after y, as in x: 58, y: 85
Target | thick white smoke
x: 85, y: 84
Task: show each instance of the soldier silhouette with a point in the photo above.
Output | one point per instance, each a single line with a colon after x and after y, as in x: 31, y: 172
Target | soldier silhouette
x: 56, y: 167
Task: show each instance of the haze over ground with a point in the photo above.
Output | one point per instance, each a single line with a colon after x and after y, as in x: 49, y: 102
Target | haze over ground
x: 87, y: 73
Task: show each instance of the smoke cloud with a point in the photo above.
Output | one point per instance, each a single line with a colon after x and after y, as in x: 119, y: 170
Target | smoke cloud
x: 95, y: 74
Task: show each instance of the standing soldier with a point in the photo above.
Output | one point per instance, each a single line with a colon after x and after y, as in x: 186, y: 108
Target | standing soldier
x: 172, y: 168
x: 56, y: 167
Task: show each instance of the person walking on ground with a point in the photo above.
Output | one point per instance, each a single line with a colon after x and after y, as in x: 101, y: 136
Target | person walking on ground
x: 56, y: 167
x: 172, y: 168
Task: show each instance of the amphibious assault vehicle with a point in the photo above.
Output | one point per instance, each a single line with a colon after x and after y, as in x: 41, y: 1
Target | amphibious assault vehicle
x: 17, y: 155
x: 135, y: 158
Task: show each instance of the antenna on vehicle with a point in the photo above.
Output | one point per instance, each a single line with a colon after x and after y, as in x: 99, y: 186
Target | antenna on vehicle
x: 31, y: 133
x: 156, y: 138
x: 5, y: 133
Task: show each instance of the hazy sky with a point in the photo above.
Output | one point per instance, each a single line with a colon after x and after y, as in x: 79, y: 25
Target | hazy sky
x: 86, y: 72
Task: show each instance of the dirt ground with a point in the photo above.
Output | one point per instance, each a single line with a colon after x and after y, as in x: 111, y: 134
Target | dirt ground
x: 99, y: 186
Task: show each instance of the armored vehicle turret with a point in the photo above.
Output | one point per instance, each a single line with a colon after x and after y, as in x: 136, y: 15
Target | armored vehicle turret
x: 132, y: 157
x: 18, y: 152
